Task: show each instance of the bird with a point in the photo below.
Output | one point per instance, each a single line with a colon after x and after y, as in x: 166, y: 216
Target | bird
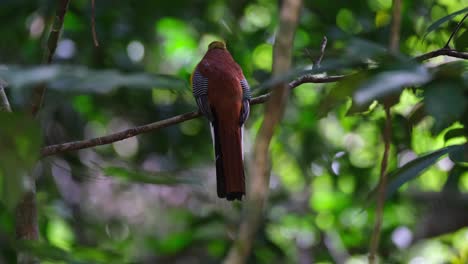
x: 222, y: 94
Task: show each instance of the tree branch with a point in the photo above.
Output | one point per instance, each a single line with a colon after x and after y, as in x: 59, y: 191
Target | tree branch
x: 26, y: 210
x: 38, y: 92
x: 442, y: 52
x: 260, y: 169
x: 4, y: 103
x: 447, y: 45
x: 381, y: 189
x: 88, y: 143
x: 93, y: 24
x: 387, y: 137
x: 322, y: 52
x: 396, y: 25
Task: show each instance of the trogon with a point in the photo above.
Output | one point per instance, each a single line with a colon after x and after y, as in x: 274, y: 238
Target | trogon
x: 223, y: 97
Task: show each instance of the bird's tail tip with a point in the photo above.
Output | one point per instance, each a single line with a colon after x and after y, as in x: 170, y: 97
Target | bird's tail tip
x: 235, y: 196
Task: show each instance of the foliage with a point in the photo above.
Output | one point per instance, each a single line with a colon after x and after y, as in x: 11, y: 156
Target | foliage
x: 152, y: 198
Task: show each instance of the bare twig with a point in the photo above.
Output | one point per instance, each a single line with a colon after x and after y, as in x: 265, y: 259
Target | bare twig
x: 54, y: 149
x: 4, y: 103
x: 442, y: 52
x: 38, y: 92
x: 75, y: 145
x: 93, y: 23
x: 259, y: 173
x: 455, y: 32
x: 322, y: 52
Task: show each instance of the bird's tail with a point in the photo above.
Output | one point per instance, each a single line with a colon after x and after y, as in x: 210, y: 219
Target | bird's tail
x: 230, y: 178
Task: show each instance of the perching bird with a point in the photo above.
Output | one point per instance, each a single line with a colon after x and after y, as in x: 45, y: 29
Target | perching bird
x: 223, y: 97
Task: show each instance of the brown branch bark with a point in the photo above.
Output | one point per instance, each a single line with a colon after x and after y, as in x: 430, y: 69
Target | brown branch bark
x: 4, y: 103
x: 442, y: 52
x: 38, y: 92
x: 88, y: 143
x: 447, y: 45
x: 26, y: 210
x: 322, y: 52
x: 396, y: 25
x: 387, y: 137
x: 260, y: 170
x: 374, y: 245
x: 93, y: 24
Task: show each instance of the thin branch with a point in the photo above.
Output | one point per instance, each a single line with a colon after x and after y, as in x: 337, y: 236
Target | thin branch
x: 93, y: 23
x: 381, y: 187
x: 322, y: 52
x: 455, y: 31
x: 442, y: 52
x: 38, y: 92
x: 276, y: 105
x: 387, y: 137
x: 314, y: 79
x: 75, y: 145
x: 396, y: 25
x: 4, y: 103
x: 54, y: 149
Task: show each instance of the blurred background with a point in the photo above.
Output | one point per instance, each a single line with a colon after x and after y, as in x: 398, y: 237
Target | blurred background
x: 152, y: 198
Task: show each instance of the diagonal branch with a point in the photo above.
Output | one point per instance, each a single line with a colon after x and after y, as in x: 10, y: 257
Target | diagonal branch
x: 93, y: 24
x: 38, y: 92
x: 322, y: 52
x: 81, y: 144
x: 26, y: 213
x: 442, y: 52
x: 447, y: 45
x: 4, y: 103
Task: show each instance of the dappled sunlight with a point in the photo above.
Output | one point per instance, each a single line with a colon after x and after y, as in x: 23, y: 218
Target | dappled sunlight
x: 36, y: 25
x: 127, y: 147
x: 135, y: 51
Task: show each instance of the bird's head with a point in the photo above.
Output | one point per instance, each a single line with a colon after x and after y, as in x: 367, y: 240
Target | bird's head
x: 217, y: 45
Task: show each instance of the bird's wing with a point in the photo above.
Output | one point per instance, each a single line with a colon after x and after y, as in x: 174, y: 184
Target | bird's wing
x: 245, y: 101
x: 200, y: 92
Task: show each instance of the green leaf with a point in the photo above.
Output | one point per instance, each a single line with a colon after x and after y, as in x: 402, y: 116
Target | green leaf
x: 175, y: 242
x: 46, y: 251
x: 454, y: 133
x: 461, y: 41
x: 388, y: 82
x: 19, y: 151
x: 414, y: 168
x: 460, y: 156
x: 444, y: 19
x: 450, y: 71
x: 446, y: 102
x: 7, y: 220
x: 360, y: 49
x: 163, y: 178
x: 376, y: 84
x: 82, y: 79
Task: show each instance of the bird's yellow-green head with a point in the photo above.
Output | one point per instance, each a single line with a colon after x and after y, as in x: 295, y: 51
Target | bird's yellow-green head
x: 217, y: 45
